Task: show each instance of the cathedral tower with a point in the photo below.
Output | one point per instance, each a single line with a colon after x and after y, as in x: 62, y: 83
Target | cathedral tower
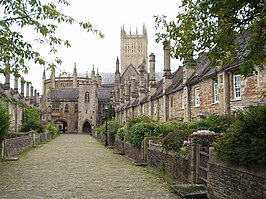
x: 133, y: 49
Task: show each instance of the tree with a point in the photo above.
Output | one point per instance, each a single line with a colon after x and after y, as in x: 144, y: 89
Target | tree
x: 4, y: 120
x: 44, y: 19
x: 31, y: 120
x: 228, y: 31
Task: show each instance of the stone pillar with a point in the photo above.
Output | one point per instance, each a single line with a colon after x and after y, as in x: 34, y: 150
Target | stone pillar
x: 16, y: 85
x: 28, y: 90
x: 152, y: 81
x: 22, y: 83
x: 133, y: 89
x: 7, y: 78
x: 167, y: 76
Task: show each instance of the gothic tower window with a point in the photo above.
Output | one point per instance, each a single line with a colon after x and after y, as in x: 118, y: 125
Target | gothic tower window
x: 76, y: 108
x: 87, y: 97
x: 66, y: 108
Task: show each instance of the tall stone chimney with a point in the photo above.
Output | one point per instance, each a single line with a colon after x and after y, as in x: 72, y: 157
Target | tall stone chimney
x: 22, y: 83
x: 53, y: 78
x: 133, y: 89
x: 16, y: 85
x: 75, y: 77
x: 167, y: 76
x: 7, y: 78
x: 152, y: 81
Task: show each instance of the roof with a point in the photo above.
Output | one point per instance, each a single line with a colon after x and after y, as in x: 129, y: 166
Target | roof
x: 64, y: 93
x: 103, y: 93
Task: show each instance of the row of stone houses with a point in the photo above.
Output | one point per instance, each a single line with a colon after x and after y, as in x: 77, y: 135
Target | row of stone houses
x: 17, y: 102
x: 193, y: 91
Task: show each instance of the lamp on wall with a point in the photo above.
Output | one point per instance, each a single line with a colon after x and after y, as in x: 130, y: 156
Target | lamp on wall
x: 106, y: 125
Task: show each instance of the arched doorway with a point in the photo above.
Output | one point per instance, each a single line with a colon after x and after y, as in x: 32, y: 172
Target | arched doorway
x: 62, y: 126
x: 86, y: 127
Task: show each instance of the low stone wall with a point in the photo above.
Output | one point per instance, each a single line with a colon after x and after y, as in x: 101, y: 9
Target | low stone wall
x: 229, y: 181
x: 173, y: 166
x: 15, y: 146
x: 119, y: 145
x: 132, y: 152
x: 45, y: 137
x: 111, y: 139
x: 1, y: 151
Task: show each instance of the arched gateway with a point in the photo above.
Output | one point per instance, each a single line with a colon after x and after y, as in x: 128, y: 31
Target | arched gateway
x: 62, y: 125
x: 86, y: 127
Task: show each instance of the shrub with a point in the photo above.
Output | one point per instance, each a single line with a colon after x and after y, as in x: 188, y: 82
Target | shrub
x: 137, y: 119
x: 101, y: 129
x: 32, y: 121
x: 163, y: 128
x: 136, y: 133
x: 4, y: 120
x: 174, y: 140
x: 244, y: 142
x: 52, y: 128
x: 113, y: 126
x: 121, y: 133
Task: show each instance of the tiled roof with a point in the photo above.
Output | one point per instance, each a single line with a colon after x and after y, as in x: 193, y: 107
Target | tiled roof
x: 64, y: 93
x: 103, y: 94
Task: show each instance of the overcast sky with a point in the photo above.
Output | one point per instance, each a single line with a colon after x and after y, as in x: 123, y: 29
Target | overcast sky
x: 108, y: 16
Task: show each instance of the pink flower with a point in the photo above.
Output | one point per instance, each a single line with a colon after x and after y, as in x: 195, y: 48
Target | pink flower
x: 185, y: 142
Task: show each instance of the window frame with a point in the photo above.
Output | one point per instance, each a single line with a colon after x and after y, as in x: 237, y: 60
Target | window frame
x: 215, y: 91
x: 237, y: 86
x: 197, y: 97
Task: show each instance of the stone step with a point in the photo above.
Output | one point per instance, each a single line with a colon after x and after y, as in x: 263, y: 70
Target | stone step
x: 186, y: 191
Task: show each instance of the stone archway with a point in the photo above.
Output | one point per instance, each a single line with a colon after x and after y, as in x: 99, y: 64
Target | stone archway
x: 62, y: 125
x: 86, y: 128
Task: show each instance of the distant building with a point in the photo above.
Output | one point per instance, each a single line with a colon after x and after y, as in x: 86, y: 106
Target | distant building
x: 74, y: 103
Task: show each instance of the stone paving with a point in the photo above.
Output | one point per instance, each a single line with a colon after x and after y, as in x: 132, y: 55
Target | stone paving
x: 77, y: 166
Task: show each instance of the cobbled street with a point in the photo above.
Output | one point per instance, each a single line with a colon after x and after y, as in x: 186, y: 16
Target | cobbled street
x: 77, y: 166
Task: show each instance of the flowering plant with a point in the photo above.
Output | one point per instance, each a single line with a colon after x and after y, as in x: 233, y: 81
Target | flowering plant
x: 203, y: 132
x: 185, y: 148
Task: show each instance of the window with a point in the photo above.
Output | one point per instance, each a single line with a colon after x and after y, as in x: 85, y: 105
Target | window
x: 66, y: 108
x: 215, y: 91
x: 87, y: 97
x: 237, y: 81
x: 172, y: 102
x: 197, y: 97
x: 182, y: 101
x: 55, y: 108
x: 155, y: 108
x: 76, y: 108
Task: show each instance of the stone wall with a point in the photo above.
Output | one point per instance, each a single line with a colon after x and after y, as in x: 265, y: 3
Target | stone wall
x: 119, y: 145
x: 172, y: 165
x: 14, y: 146
x: 233, y: 182
x: 132, y: 152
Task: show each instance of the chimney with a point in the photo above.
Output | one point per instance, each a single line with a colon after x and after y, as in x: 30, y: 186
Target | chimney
x: 16, y: 85
x: 117, y: 73
x: 127, y: 90
x: 28, y: 91
x: 152, y: 81
x: 7, y: 78
x: 133, y: 89
x: 167, y: 76
x: 75, y: 77
x: 142, y: 83
x: 53, y: 78
x: 188, y: 68
x: 22, y: 83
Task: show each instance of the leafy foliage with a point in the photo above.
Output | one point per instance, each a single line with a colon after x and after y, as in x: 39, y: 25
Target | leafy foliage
x: 137, y: 119
x: 4, y: 120
x: 174, y: 140
x: 223, y: 30
x: 121, y: 133
x: 31, y: 121
x: 137, y: 132
x: 43, y: 18
x: 161, y: 129
x: 244, y: 142
x: 52, y: 128
x: 113, y: 126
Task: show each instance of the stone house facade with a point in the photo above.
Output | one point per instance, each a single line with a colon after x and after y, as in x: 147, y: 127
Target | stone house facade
x: 18, y: 101
x: 194, y: 91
